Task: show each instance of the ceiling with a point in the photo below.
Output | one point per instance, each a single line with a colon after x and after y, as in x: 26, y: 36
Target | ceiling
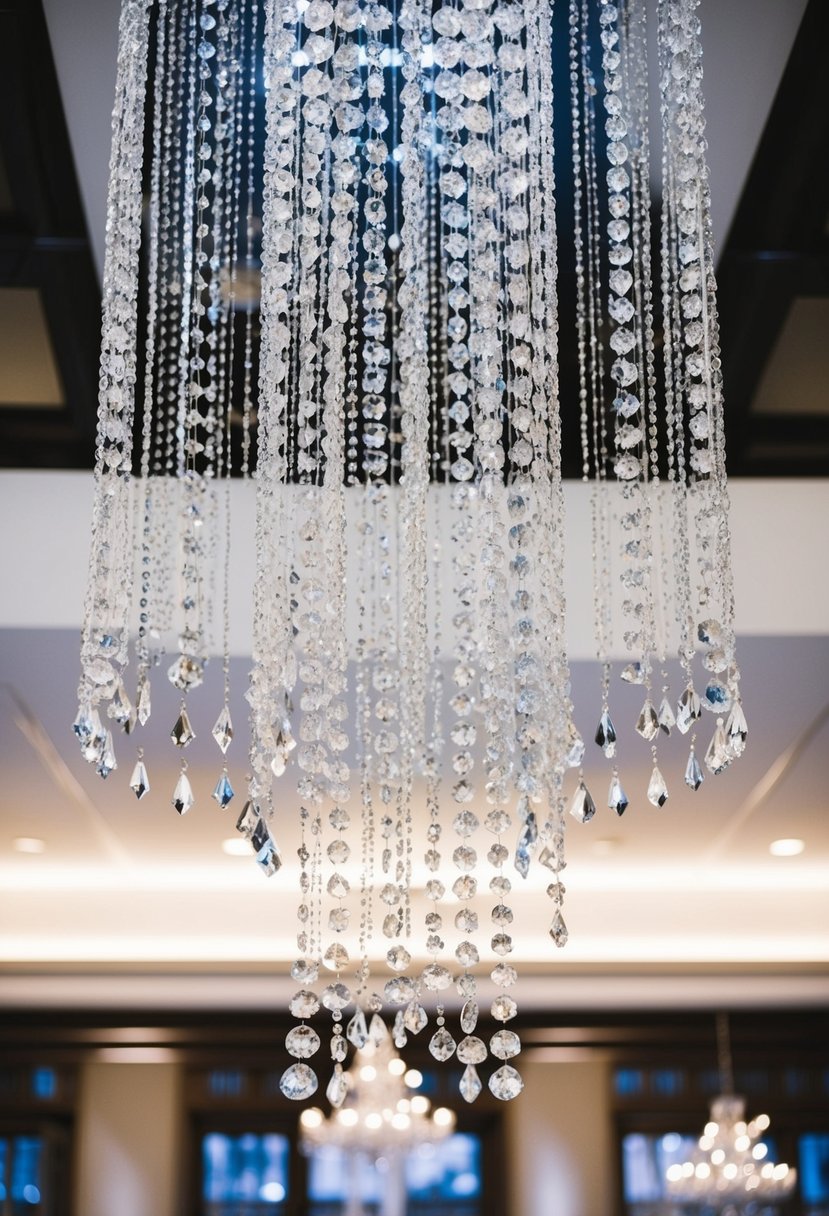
x: 128, y: 904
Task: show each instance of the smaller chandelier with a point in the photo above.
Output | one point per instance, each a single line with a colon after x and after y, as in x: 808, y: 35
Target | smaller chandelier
x: 731, y: 1171
x: 375, y: 1113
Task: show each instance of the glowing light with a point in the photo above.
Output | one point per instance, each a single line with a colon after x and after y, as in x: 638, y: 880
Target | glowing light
x: 312, y: 1117
x: 413, y: 1078
x: 32, y: 844
x: 789, y: 846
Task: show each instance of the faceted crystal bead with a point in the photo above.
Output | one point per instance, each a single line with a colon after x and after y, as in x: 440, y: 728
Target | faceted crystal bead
x: 469, y: 1016
x: 398, y: 958
x: 441, y: 1044
x: 470, y: 1084
x: 466, y: 921
x: 335, y: 958
x: 503, y: 975
x: 466, y: 986
x: 183, y: 795
x: 606, y: 735
x: 582, y: 807
x: 304, y: 971
x: 186, y: 673
x: 337, y: 886
x: 182, y: 733
x: 693, y: 773
x: 303, y: 1004
x: 223, y: 730
x: 223, y: 791
x: 302, y: 1042
x: 335, y: 996
x: 139, y: 781
x: 716, y: 697
x: 617, y: 799
x: 503, y: 1008
x: 467, y: 954
x: 106, y: 760
x: 356, y: 1031
x: 465, y: 887
x: 399, y: 990
x: 143, y: 704
x: 248, y: 819
x: 378, y: 1032
x: 398, y: 1031
x: 472, y: 1050
x: 337, y: 1088
x: 657, y: 790
x: 414, y: 1017
x: 502, y: 943
x: 647, y: 724
x: 298, y: 1082
x: 338, y: 1048
x: 505, y: 1083
x: 435, y: 977
x: 505, y: 1044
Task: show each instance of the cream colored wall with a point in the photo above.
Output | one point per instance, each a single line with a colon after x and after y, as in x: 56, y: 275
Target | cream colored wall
x: 560, y: 1146
x: 128, y: 1155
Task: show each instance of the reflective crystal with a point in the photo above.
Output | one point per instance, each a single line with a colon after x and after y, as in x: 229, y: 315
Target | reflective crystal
x: 398, y: 958
x: 106, y: 760
x: 302, y: 1042
x: 298, y: 1082
x: 223, y: 791
x: 414, y: 1017
x: 335, y: 996
x: 435, y: 977
x: 558, y: 929
x: 606, y: 735
x: 647, y: 724
x: 303, y: 1004
x: 467, y: 954
x: 335, y: 958
x: 504, y: 1008
x: 472, y: 1050
x: 337, y: 1088
x: 693, y: 773
x: 248, y: 819
x: 736, y: 729
x: 469, y: 1016
x: 182, y: 733
x: 139, y: 781
x: 399, y: 990
x: 356, y: 1031
x: 688, y: 710
x: 505, y: 1044
x: 223, y: 730
x: 657, y: 790
x: 716, y: 697
x: 304, y: 971
x: 470, y: 1084
x: 617, y: 799
x: 183, y: 795
x: 441, y: 1044
x: 378, y: 1031
x: 582, y: 806
x: 718, y: 756
x: 665, y: 717
x: 505, y: 1083
x: 503, y: 975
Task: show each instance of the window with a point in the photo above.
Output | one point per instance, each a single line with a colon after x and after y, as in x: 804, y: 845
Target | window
x: 813, y: 1153
x: 645, y: 1161
x: 245, y: 1175
x: 21, y: 1176
x: 440, y: 1179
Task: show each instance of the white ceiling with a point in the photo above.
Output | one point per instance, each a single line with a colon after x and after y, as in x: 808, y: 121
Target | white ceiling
x: 684, y: 906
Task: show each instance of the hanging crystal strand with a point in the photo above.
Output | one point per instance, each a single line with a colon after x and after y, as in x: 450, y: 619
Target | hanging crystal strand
x: 104, y: 646
x: 274, y: 660
x: 299, y: 1080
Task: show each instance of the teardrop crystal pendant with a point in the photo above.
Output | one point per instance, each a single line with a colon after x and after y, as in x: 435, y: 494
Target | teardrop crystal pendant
x: 182, y: 733
x: 469, y: 1016
x: 224, y: 792
x: 657, y: 789
x: 139, y: 781
x: 693, y: 773
x: 617, y: 799
x: 505, y: 1083
x: 183, y: 795
x: 107, y: 762
x: 665, y: 717
x: 736, y: 729
x: 223, y: 730
x: 356, y: 1031
x: 337, y: 1088
x: 647, y: 724
x: 298, y: 1082
x: 582, y: 807
x: 606, y: 735
x: 470, y: 1084
x: 558, y: 930
x: 688, y: 710
x: 143, y: 703
x: 718, y: 756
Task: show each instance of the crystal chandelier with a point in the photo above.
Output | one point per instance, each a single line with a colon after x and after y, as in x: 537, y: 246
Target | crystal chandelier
x: 731, y: 1173
x: 344, y: 286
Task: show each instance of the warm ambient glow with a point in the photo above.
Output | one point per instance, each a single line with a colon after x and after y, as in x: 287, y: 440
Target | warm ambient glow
x: 789, y: 846
x: 235, y: 846
x: 28, y: 844
x: 413, y: 1078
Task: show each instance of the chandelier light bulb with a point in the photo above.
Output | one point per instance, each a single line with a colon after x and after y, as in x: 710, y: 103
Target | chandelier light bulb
x: 344, y: 291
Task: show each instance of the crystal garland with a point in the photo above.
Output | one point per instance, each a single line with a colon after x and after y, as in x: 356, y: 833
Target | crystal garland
x: 377, y: 179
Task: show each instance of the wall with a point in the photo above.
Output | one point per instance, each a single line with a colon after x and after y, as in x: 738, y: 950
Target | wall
x: 559, y: 1140
x: 128, y: 1149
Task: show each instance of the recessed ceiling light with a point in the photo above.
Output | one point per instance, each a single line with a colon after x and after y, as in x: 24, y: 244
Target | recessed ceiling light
x: 788, y: 847
x: 605, y: 845
x: 28, y: 844
x: 236, y: 846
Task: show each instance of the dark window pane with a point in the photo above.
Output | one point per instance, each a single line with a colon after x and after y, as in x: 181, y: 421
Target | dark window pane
x: 629, y: 1082
x: 814, y: 1168
x: 226, y: 1084
x: 25, y: 1188
x: 667, y: 1082
x: 44, y: 1083
x: 645, y: 1161
x: 249, y: 1169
